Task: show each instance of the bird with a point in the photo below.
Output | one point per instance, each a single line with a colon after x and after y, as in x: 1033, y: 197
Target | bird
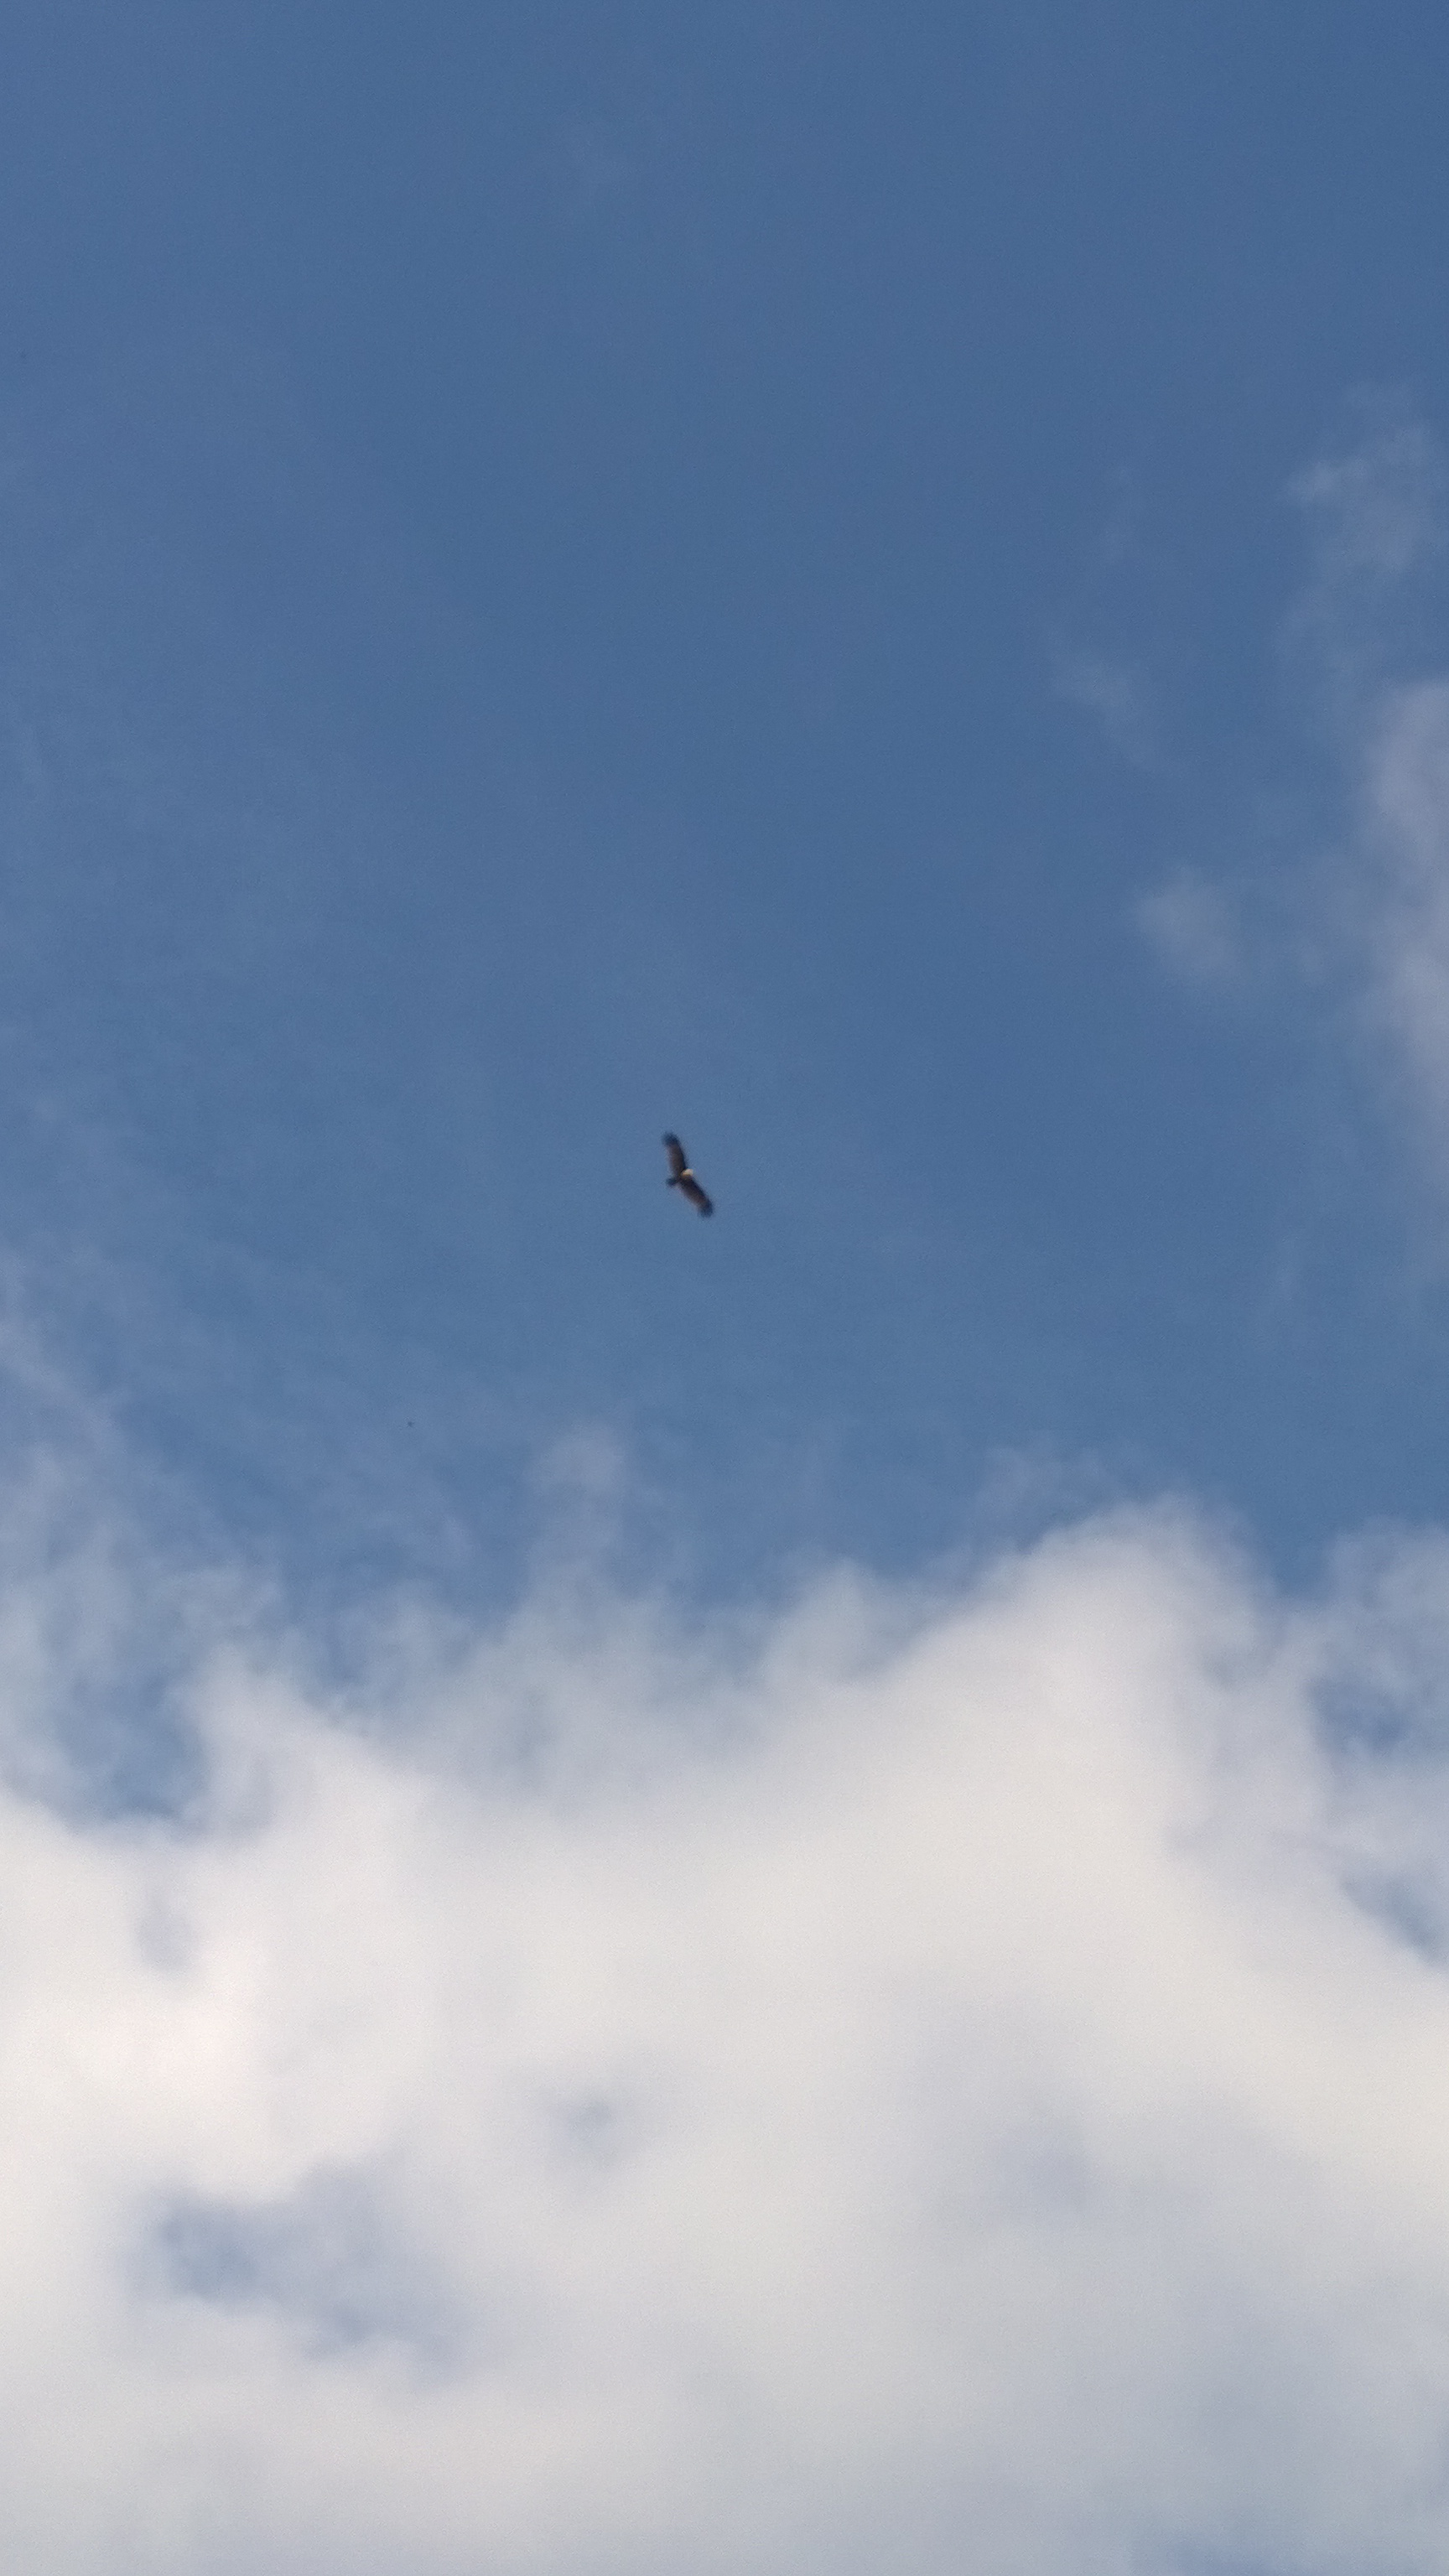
x: 682, y: 1178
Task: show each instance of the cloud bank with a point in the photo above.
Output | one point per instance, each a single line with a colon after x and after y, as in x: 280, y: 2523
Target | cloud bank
x: 924, y: 2079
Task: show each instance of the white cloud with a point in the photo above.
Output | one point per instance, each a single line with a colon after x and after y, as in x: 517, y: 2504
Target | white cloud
x: 926, y: 2080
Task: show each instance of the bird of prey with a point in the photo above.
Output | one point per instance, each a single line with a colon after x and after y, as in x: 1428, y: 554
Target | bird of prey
x: 682, y: 1178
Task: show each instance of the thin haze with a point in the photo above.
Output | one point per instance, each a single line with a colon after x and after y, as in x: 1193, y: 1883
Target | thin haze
x: 771, y: 1894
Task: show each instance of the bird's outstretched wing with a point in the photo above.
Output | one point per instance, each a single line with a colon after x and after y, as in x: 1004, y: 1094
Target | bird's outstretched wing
x: 682, y: 1178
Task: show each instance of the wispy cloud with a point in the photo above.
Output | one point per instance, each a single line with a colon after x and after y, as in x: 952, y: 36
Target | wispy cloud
x: 1375, y: 514
x: 929, y: 2071
x: 1360, y: 909
x: 1401, y: 889
x: 1114, y: 694
x: 1368, y: 640
x: 1191, y: 924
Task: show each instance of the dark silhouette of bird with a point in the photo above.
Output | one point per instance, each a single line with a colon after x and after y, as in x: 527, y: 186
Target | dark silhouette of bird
x: 682, y: 1178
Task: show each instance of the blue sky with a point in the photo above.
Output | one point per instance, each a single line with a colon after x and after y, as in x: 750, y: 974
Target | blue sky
x: 867, y: 585
x: 556, y: 564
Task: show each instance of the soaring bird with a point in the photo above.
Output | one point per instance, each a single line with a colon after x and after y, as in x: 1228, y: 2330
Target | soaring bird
x: 682, y: 1178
